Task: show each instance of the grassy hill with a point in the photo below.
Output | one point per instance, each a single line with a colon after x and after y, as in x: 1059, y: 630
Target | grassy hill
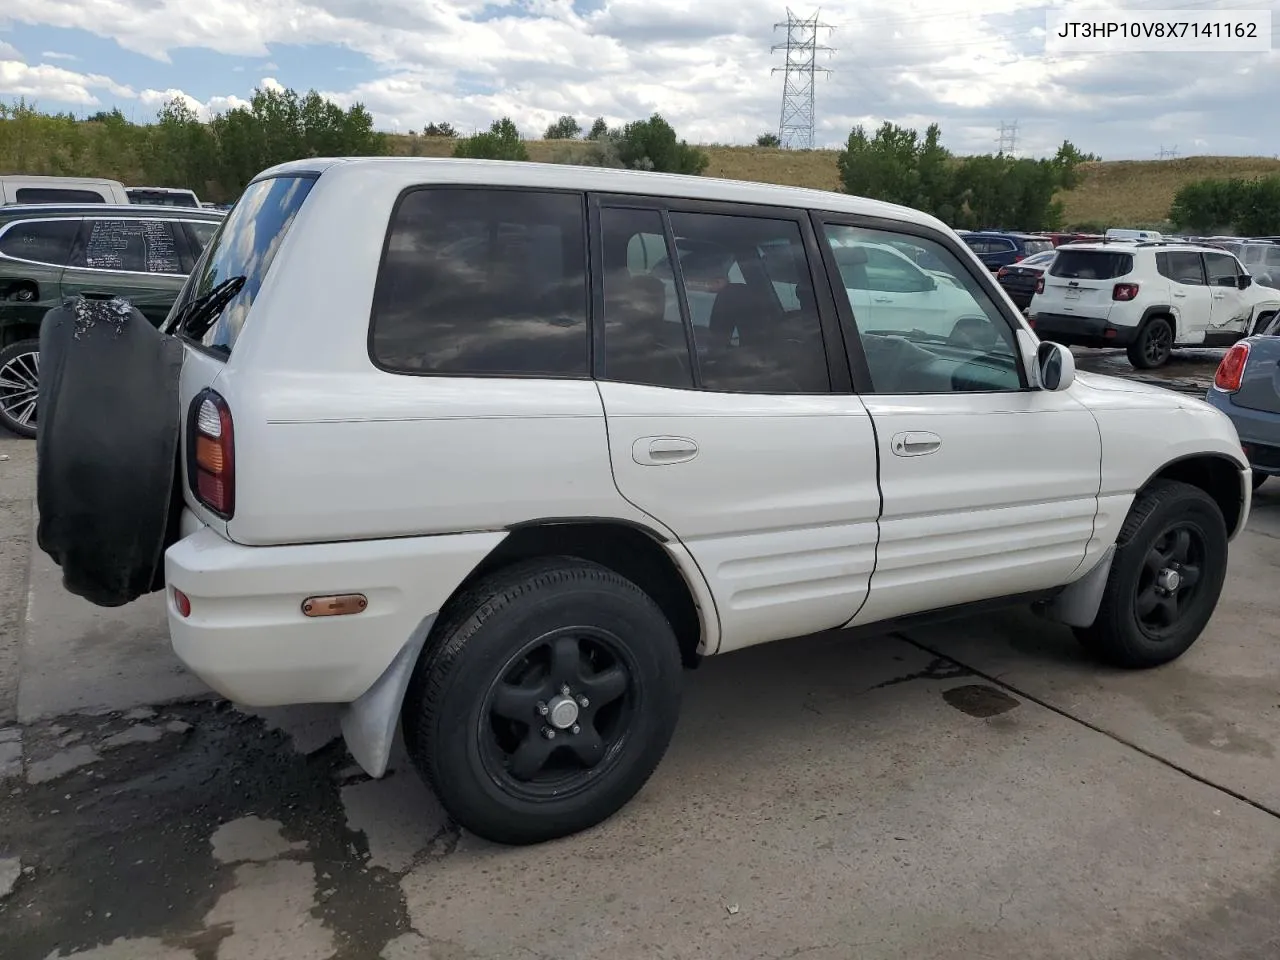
x: 1120, y: 192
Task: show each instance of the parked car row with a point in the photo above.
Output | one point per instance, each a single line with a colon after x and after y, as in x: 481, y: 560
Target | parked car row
x: 49, y: 252
x: 21, y: 190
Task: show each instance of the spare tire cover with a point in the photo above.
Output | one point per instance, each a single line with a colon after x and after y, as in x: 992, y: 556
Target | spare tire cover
x: 107, y: 448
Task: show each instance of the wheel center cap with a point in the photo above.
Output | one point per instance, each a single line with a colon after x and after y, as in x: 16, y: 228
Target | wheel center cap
x: 1169, y: 580
x: 563, y: 712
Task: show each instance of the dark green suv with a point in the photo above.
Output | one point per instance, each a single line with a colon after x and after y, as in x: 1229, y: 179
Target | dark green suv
x: 49, y: 252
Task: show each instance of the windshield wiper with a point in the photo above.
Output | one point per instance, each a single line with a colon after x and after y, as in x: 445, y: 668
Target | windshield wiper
x: 206, y: 307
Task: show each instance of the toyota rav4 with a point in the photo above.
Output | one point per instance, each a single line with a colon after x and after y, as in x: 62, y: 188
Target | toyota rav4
x: 490, y: 450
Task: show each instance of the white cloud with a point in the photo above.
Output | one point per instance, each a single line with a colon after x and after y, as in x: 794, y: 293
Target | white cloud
x: 968, y: 64
x: 47, y: 82
x: 9, y: 52
x: 54, y: 55
x: 271, y: 83
x: 203, y: 108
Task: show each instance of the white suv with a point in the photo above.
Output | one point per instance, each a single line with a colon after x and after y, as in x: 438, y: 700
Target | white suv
x: 1148, y: 298
x: 446, y: 445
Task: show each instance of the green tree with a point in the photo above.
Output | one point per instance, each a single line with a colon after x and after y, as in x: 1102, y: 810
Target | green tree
x: 768, y: 140
x: 440, y: 130
x: 653, y: 145
x: 501, y: 142
x: 179, y: 149
x: 883, y: 167
x: 599, y: 128
x: 566, y: 128
x: 1260, y: 208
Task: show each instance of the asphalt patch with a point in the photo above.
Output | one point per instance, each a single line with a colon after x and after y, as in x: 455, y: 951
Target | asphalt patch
x: 121, y: 847
x: 979, y: 700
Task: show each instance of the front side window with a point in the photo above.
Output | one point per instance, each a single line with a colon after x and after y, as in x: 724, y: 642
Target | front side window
x: 201, y: 232
x: 131, y: 246
x: 922, y: 331
x: 483, y: 282
x: 1221, y: 268
x: 40, y: 241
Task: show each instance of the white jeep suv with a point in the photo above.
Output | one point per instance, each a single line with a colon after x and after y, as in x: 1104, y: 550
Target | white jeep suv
x: 453, y: 444
x: 1148, y: 298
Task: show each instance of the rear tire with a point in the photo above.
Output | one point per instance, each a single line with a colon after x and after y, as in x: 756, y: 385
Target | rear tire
x: 489, y: 689
x: 1165, y: 580
x: 19, y: 387
x: 1153, y: 345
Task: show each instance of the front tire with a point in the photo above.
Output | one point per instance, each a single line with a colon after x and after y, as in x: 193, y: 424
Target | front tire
x: 19, y: 387
x: 1165, y: 580
x: 512, y: 756
x: 1153, y: 345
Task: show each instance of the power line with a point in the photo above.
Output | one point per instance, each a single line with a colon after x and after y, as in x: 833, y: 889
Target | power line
x: 1166, y: 154
x: 800, y: 69
x: 1008, y: 139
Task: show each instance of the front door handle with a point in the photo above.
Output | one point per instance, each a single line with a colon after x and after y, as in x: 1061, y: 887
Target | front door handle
x: 1219, y: 296
x: 882, y: 299
x: 915, y: 443
x: 653, y: 451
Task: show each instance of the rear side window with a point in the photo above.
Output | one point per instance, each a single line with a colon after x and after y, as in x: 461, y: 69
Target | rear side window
x: 484, y: 282
x: 130, y: 246
x: 1036, y: 246
x: 1181, y: 266
x: 47, y: 241
x: 245, y: 245
x: 57, y: 195
x: 1091, y: 264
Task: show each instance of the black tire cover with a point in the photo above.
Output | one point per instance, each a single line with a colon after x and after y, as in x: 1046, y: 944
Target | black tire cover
x: 107, y: 448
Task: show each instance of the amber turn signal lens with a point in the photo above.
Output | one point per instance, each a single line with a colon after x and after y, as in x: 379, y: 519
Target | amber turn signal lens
x: 337, y: 606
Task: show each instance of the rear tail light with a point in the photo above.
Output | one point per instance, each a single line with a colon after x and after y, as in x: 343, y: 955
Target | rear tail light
x: 1124, y: 291
x: 1231, y: 369
x: 1040, y: 284
x: 1002, y: 272
x: 1020, y: 256
x: 211, y: 454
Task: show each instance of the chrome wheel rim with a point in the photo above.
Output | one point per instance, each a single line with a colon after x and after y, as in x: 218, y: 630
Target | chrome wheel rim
x: 19, y: 387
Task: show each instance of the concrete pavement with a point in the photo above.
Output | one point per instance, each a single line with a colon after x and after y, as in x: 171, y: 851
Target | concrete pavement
x: 968, y: 791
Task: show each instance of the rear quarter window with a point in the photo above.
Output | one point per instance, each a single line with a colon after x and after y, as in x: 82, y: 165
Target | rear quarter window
x: 57, y: 195
x: 483, y: 282
x: 1091, y: 264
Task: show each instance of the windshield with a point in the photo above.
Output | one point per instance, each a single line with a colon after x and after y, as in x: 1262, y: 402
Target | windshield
x: 244, y: 246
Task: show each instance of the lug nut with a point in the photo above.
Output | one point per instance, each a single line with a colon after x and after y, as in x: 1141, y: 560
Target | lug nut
x: 548, y: 733
x: 542, y: 709
x: 584, y: 702
x: 565, y: 689
x: 576, y: 728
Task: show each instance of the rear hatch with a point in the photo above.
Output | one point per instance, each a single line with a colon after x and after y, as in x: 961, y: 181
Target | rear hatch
x: 1260, y: 385
x: 1080, y: 282
x: 240, y: 254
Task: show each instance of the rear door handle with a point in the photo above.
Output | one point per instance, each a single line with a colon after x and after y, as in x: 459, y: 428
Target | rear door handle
x: 1179, y: 294
x: 915, y: 443
x: 654, y: 451
x: 883, y: 299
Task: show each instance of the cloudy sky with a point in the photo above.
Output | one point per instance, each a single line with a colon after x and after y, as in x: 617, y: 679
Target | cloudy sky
x: 705, y: 65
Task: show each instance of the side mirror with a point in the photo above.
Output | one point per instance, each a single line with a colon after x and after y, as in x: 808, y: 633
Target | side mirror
x: 1056, y: 366
x: 1244, y: 281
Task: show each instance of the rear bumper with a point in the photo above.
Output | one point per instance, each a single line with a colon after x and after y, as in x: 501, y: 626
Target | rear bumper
x: 1259, y: 432
x: 1081, y: 331
x: 246, y: 635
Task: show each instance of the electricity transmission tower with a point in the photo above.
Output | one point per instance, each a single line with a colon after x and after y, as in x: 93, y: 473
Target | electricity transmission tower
x: 800, y: 70
x: 1008, y: 138
x: 1169, y: 153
